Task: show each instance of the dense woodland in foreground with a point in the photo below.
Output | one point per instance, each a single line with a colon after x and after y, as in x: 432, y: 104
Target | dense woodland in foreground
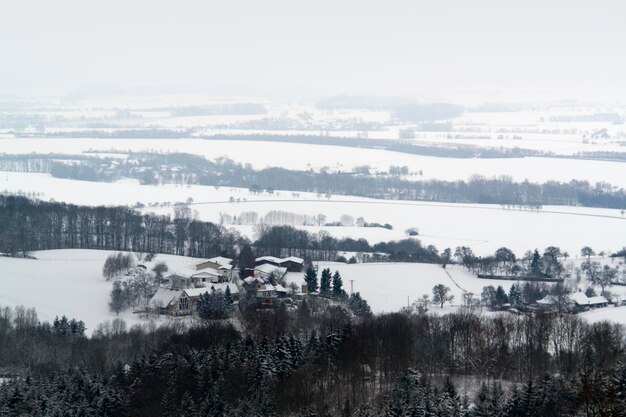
x: 152, y: 168
x: 402, y: 364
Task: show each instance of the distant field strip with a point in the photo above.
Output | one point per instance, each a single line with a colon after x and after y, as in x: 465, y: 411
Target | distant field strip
x: 404, y: 203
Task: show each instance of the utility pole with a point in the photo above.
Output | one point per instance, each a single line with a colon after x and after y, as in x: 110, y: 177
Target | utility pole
x: 351, y: 286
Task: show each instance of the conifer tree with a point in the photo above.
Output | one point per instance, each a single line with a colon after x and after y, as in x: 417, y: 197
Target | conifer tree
x: 310, y: 278
x: 168, y: 399
x: 325, y: 281
x: 359, y: 306
x: 515, y: 295
x: 338, y: 291
x: 213, y: 305
x: 535, y: 264
x: 187, y: 406
x: 228, y: 297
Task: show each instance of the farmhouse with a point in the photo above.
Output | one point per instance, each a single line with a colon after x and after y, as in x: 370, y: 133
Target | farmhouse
x: 576, y: 302
x: 265, y: 270
x: 195, y: 293
x: 171, y: 302
x: 267, y: 260
x: 221, y: 260
x: 268, y: 295
x: 184, y: 302
x: 203, y: 278
x: 206, y: 265
x: 263, y: 289
x: 271, y: 291
x: 547, y: 301
x: 583, y: 303
x: 176, y: 282
x: 553, y: 303
x: 292, y: 263
x: 212, y: 271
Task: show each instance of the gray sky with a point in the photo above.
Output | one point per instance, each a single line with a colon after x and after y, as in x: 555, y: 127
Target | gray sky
x: 492, y: 49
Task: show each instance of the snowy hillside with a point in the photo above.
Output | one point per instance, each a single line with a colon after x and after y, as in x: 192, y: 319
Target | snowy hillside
x: 66, y: 282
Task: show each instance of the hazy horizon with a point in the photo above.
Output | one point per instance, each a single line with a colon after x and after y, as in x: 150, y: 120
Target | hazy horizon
x: 486, y: 50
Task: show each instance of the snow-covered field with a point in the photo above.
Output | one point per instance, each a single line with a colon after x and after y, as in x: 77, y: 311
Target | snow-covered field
x: 612, y: 314
x: 482, y: 227
x: 305, y: 156
x: 66, y: 282
x: 390, y: 286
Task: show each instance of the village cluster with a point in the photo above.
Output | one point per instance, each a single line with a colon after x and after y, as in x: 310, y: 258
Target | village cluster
x: 179, y: 293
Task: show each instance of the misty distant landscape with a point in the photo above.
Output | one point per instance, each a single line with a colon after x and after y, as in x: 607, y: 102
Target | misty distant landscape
x: 283, y: 209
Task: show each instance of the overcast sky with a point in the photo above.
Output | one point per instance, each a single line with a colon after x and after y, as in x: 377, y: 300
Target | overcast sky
x: 425, y: 49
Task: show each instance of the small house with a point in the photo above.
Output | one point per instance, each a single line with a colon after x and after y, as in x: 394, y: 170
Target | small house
x: 171, y: 302
x: 207, y: 264
x: 184, y: 302
x: 177, y: 282
x: 583, y: 303
x: 271, y: 291
x: 219, y: 267
x: 291, y: 263
x: 598, y: 301
x: 221, y: 260
x: 265, y: 291
x: 195, y: 293
x: 272, y: 260
x: 207, y: 276
x: 548, y: 302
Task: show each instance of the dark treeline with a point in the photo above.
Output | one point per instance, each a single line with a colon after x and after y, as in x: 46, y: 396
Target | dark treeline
x: 154, y: 168
x: 592, y: 117
x: 288, y: 241
x: 148, y: 133
x: 475, y: 190
x: 218, y: 109
x: 46, y: 163
x: 29, y: 225
x: 557, y: 366
x: 603, y: 155
x: 403, y: 146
